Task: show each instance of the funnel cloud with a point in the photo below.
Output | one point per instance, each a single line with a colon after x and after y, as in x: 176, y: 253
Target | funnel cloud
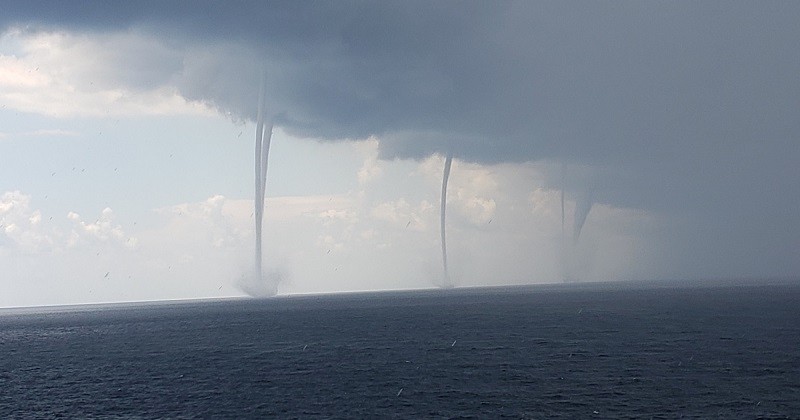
x: 446, y: 281
x: 262, y: 143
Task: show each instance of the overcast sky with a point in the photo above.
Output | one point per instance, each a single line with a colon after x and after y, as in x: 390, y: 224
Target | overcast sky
x: 126, y: 136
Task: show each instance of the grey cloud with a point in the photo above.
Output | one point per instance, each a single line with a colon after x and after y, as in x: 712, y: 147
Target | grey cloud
x: 577, y: 80
x: 686, y: 108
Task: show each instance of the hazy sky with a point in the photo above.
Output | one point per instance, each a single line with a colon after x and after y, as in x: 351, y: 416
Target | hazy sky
x: 126, y: 139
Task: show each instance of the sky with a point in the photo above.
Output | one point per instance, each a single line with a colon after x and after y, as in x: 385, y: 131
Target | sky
x: 127, y: 131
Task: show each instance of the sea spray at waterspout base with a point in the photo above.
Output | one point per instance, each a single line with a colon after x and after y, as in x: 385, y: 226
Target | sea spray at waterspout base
x: 263, y: 287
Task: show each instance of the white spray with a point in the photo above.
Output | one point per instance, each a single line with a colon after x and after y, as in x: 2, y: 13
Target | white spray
x: 447, y: 163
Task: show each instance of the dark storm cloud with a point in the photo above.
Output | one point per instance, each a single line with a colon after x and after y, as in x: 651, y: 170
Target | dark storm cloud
x: 529, y: 80
x: 689, y: 108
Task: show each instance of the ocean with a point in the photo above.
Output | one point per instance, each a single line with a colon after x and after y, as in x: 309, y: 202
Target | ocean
x: 561, y: 351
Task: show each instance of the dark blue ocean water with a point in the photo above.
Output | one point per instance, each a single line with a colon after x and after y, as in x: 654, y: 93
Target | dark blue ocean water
x: 585, y: 351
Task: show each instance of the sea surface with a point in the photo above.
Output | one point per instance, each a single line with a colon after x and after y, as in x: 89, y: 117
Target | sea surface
x: 568, y: 351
